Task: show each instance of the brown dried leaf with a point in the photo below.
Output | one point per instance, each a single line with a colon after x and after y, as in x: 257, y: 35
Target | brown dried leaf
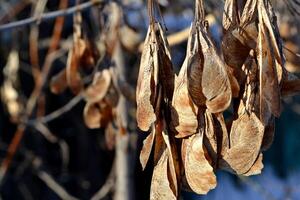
x: 245, y: 141
x: 199, y: 173
x: 99, y: 88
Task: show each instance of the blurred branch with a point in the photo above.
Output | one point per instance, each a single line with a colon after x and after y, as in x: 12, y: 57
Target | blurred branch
x: 51, y: 15
x: 174, y: 39
x: 50, y: 182
x: 28, y: 111
x: 57, y: 113
x: 18, y: 7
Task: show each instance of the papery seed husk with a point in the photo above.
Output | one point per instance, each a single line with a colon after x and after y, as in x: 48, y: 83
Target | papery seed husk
x: 199, y: 173
x: 245, y: 141
x: 146, y: 86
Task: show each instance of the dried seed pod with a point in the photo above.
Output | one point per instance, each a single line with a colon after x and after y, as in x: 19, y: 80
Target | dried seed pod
x: 160, y: 184
x: 230, y: 16
x: 147, y: 148
x: 256, y: 167
x: 146, y: 91
x: 195, y: 67
x: 198, y: 171
x: 207, y: 76
x: 155, y: 76
x: 268, y: 80
x: 99, y: 88
x: 245, y: 141
x: 97, y: 115
x: 215, y: 139
x: 184, y: 111
x: 74, y: 80
x: 164, y: 146
x: 218, y: 92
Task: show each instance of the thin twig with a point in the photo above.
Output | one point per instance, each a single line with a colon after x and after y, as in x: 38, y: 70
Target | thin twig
x: 57, y: 113
x: 51, y: 15
x: 174, y: 39
x: 51, y: 183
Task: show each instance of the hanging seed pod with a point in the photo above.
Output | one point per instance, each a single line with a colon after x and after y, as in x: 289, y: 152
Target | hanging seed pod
x: 100, y: 86
x: 239, y: 36
x: 164, y: 147
x: 184, y: 111
x: 154, y: 96
x: 230, y: 16
x: 160, y: 185
x: 147, y: 147
x: 156, y: 72
x: 245, y: 141
x: 204, y: 66
x: 198, y: 171
x: 146, y: 92
x: 269, y: 85
x: 215, y: 138
x: 97, y: 115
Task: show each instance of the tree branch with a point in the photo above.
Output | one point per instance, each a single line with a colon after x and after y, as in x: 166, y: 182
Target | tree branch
x: 51, y: 15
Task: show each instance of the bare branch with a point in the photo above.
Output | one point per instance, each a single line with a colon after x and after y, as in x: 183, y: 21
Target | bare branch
x: 57, y: 113
x: 51, y: 15
x: 51, y: 183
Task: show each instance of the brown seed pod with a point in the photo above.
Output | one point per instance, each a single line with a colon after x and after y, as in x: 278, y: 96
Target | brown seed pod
x: 198, y: 171
x: 183, y: 111
x: 155, y: 76
x: 245, y: 141
x: 100, y: 86
x: 207, y: 76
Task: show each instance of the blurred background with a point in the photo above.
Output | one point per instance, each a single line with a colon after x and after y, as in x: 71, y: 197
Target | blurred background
x: 48, y: 150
